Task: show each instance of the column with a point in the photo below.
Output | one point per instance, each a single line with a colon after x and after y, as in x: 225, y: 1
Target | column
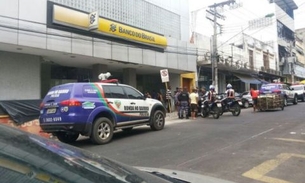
x: 45, y: 79
x: 222, y: 83
x: 97, y: 69
x: 130, y: 77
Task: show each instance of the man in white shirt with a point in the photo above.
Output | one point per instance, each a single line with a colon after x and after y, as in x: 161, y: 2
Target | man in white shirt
x: 194, y: 103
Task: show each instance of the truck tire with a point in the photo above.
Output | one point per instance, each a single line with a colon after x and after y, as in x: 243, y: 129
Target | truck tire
x: 67, y: 137
x: 157, y: 120
x: 102, y: 131
x: 295, y: 100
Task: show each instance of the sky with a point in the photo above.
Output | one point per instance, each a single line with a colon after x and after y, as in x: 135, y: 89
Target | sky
x: 299, y: 14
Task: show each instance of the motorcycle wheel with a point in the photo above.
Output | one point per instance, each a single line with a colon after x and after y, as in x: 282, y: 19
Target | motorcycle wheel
x: 204, y: 113
x: 216, y: 112
x: 220, y: 111
x: 236, y: 110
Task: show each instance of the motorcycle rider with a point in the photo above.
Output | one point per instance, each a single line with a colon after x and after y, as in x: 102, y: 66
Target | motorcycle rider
x: 184, y: 100
x: 202, y: 93
x: 212, y: 94
x: 230, y: 93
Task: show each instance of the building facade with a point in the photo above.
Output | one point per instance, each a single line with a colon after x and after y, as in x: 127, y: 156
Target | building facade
x: 50, y: 42
x: 256, y: 43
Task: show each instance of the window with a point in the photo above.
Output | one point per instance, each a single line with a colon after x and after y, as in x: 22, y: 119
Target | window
x: 251, y: 62
x: 107, y: 92
x: 266, y: 60
x: 133, y: 94
x: 114, y: 92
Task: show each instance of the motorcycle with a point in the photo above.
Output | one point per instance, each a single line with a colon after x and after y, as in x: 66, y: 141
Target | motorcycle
x: 232, y: 106
x: 207, y: 108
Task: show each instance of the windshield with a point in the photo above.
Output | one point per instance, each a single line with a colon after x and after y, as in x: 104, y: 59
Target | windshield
x: 297, y: 87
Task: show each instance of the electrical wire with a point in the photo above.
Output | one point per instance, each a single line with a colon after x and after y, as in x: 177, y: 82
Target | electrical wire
x: 250, y: 26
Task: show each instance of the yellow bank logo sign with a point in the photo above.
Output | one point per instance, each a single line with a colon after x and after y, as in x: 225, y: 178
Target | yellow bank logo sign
x: 122, y: 30
x: 92, y: 22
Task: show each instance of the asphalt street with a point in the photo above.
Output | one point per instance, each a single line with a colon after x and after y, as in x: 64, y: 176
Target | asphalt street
x: 254, y: 147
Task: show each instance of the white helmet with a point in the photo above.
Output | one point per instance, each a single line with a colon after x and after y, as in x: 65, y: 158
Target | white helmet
x: 212, y: 87
x: 229, y: 86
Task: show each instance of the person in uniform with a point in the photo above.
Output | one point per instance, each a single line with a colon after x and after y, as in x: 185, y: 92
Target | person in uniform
x: 230, y: 94
x: 212, y: 94
x: 183, y: 99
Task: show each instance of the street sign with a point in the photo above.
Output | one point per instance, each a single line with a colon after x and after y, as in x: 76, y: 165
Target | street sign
x: 164, y: 75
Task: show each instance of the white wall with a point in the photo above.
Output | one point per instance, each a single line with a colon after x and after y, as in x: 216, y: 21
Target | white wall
x: 282, y: 16
x: 180, y: 7
x: 20, y: 76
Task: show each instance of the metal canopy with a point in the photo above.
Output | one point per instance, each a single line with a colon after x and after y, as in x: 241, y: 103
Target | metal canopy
x: 248, y: 79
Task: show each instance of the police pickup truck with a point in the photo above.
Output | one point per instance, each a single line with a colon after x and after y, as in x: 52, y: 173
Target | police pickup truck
x: 288, y: 93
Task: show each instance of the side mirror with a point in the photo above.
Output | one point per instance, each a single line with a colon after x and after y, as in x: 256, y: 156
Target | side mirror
x: 291, y: 88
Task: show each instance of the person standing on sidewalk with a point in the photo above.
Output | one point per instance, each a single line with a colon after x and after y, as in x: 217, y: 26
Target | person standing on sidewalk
x: 177, y: 101
x: 194, y: 103
x: 168, y: 96
x: 254, y: 95
x: 184, y: 99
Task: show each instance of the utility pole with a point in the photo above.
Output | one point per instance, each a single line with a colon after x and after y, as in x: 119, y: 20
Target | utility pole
x: 292, y: 63
x: 213, y: 11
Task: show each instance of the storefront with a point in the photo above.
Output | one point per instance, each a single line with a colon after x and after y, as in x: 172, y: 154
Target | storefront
x: 60, y: 44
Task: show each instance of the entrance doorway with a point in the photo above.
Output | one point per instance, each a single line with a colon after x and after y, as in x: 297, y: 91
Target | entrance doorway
x: 186, y: 83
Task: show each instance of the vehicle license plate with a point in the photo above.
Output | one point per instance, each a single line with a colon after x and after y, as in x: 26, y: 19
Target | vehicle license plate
x: 218, y: 104
x: 51, y: 111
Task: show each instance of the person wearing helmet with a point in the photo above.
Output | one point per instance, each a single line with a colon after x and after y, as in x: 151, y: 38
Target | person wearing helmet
x: 230, y: 94
x: 230, y: 91
x: 211, y: 94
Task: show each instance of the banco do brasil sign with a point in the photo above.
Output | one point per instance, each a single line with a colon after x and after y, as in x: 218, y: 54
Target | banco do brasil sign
x: 77, y: 19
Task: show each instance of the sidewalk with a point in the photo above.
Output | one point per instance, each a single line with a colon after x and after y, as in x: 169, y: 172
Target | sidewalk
x: 171, y: 116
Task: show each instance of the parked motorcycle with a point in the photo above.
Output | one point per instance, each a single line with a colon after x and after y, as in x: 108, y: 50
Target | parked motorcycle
x: 232, y: 106
x: 207, y: 108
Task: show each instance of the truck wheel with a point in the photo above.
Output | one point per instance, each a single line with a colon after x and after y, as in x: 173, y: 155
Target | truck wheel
x: 157, y: 120
x: 303, y: 98
x: 102, y: 131
x: 67, y: 137
x: 295, y: 100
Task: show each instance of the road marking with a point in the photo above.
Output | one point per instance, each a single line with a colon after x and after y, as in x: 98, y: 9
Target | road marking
x: 289, y: 140
x: 259, y: 172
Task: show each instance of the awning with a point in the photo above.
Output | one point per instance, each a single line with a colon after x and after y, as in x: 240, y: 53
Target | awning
x: 248, y: 79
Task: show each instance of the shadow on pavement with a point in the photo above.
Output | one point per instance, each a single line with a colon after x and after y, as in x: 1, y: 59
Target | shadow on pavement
x: 118, y: 135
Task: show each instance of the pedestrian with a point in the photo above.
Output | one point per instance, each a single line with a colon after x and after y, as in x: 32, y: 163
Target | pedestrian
x: 148, y: 95
x: 177, y: 104
x: 184, y: 103
x: 254, y: 95
x: 194, y: 103
x: 168, y: 99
